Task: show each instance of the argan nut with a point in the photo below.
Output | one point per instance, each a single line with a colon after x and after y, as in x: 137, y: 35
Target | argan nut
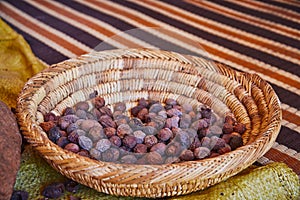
x: 128, y: 159
x: 217, y: 143
x: 107, y: 121
x: 172, y: 159
x: 85, y: 142
x: 201, y: 152
x: 124, y: 129
x: 187, y: 155
x: 227, y: 128
x: 159, y: 148
x: 73, y: 137
x: 142, y: 114
x: 171, y: 101
x: 110, y: 131
x: 120, y: 106
x: 46, y: 126
x: 224, y: 149
x: 195, y: 144
x: 69, y: 111
x: 199, y: 124
x: 95, y: 154
x: 185, y: 121
x: 72, y: 127
x: 143, y: 102
x: 154, y: 158
x: 186, y: 107
x: 235, y: 142
x: 82, y: 105
x: 182, y: 137
x: 173, y: 149
x: 105, y: 111
x: 205, y: 142
x: 84, y: 153
x: 51, y: 117
x: 164, y: 134
x: 150, y: 140
x: 140, y: 148
x: 135, y: 110
x: 174, y: 112
x: 54, y: 134
x: 102, y: 145
x: 230, y: 120
x: 111, y: 155
x: 240, y: 128
x: 96, y: 133
x: 86, y: 125
x: 72, y: 147
x: 62, y: 142
x: 139, y: 135
x: 116, y: 140
x: 172, y: 122
x: 214, y: 154
x: 136, y: 123
x: 99, y: 102
x: 206, y: 113
x: 155, y: 108
x: 215, y: 130
x: 129, y: 141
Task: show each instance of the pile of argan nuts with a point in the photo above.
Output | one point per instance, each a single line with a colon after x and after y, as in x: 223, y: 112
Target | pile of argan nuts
x: 151, y: 132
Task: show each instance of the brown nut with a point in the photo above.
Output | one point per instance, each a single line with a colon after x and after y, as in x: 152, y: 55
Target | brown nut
x: 107, y: 121
x: 99, y: 102
x: 164, y: 134
x: 187, y: 155
x: 201, y: 152
x: 240, y: 128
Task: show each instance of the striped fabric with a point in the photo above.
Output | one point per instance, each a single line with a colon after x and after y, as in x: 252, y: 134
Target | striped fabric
x: 256, y: 36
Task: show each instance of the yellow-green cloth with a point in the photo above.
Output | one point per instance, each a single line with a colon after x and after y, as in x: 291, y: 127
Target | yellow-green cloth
x: 17, y: 64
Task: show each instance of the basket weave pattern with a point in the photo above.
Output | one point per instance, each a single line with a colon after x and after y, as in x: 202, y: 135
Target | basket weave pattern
x: 128, y: 75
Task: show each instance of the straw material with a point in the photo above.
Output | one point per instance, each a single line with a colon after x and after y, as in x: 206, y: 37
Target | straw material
x: 128, y: 75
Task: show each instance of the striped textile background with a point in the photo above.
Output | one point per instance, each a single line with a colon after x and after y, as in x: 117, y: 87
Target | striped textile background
x: 257, y: 36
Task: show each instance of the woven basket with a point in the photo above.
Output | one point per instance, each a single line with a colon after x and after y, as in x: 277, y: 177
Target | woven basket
x: 128, y: 75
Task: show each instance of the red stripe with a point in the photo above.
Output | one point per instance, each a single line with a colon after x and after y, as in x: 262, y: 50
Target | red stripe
x: 90, y: 24
x: 278, y: 156
x: 67, y: 45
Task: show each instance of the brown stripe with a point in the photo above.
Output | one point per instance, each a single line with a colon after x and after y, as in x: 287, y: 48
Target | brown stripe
x: 230, y: 33
x: 239, y: 16
x: 271, y: 8
x: 278, y: 156
x: 71, y: 47
x: 104, y: 6
x: 90, y: 24
x: 206, y: 47
x: 291, y: 117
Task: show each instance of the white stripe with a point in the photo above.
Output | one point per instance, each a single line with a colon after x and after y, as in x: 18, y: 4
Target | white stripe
x: 88, y: 29
x: 243, y: 18
x: 283, y: 149
x: 39, y: 37
x: 225, y: 27
x: 198, y: 49
x: 50, y: 29
x: 269, y: 11
x: 75, y: 23
x: 264, y: 160
x: 291, y: 126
